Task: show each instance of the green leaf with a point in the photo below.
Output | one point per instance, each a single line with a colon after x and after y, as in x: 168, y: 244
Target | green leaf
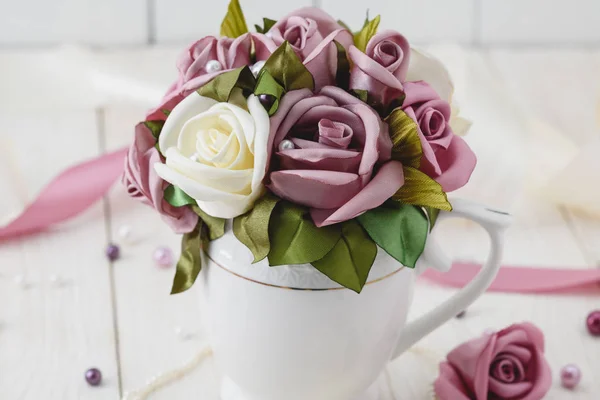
x: 432, y: 214
x: 399, y: 229
x: 214, y: 225
x: 166, y: 112
x: 234, y: 23
x: 155, y: 127
x: 294, y: 237
x: 177, y: 197
x: 421, y: 190
x: 361, y: 94
x: 221, y: 87
x: 190, y: 261
x: 266, y: 84
x: 252, y: 228
x: 366, y: 33
x: 288, y: 70
x: 350, y: 260
x: 342, y: 77
x: 405, y: 139
x: 267, y: 25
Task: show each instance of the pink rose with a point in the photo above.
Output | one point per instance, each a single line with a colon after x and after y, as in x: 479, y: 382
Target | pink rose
x: 310, y: 31
x: 382, y: 68
x: 509, y: 364
x: 220, y: 54
x: 340, y: 165
x: 446, y: 157
x: 142, y: 182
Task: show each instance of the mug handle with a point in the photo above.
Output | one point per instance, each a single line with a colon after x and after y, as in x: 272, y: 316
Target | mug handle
x: 495, y: 223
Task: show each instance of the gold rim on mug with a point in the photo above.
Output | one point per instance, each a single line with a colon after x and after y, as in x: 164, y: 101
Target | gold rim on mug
x: 296, y: 288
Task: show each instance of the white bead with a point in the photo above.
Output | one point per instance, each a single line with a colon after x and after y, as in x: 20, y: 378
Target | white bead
x: 286, y: 145
x: 213, y: 66
x: 257, y: 67
x: 124, y: 233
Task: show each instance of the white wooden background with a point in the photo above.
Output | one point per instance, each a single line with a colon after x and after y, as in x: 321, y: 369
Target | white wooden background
x: 550, y: 23
x: 120, y: 317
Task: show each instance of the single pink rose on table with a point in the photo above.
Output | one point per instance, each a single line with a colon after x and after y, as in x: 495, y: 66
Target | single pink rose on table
x: 446, y: 157
x: 382, y: 68
x: 142, y: 182
x: 200, y: 63
x: 508, y: 364
x: 310, y: 31
x: 340, y: 163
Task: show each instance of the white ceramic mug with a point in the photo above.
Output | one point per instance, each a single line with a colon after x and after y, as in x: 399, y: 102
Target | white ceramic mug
x: 289, y: 333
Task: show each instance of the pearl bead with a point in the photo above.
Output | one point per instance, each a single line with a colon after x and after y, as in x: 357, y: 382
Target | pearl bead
x: 286, y: 145
x: 593, y: 323
x: 570, y: 375
x: 257, y: 67
x: 93, y: 376
x: 163, y: 256
x: 213, y: 66
x: 124, y: 233
x: 113, y: 252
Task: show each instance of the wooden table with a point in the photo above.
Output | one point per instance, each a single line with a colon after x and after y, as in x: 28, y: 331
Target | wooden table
x: 75, y: 309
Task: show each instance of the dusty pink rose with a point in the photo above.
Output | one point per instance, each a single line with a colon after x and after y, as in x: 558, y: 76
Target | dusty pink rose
x: 446, y: 157
x: 382, y: 68
x: 340, y: 166
x: 142, y: 182
x: 229, y: 53
x: 310, y: 31
x: 509, y: 364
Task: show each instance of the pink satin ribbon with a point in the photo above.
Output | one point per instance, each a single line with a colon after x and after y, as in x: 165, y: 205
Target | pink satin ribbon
x: 70, y: 193
x: 513, y: 279
x: 79, y: 187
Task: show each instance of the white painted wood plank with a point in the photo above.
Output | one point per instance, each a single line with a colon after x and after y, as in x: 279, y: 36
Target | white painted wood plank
x: 187, y: 21
x: 52, y: 332
x: 41, y: 22
x: 421, y: 21
x: 540, y: 22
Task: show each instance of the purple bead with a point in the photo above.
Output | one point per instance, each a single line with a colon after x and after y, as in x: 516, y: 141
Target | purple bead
x: 593, y: 323
x: 93, y: 376
x: 266, y: 100
x: 163, y: 256
x: 113, y: 252
x: 570, y: 375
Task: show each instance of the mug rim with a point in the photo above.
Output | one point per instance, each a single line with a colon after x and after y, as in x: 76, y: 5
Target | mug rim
x: 381, y: 278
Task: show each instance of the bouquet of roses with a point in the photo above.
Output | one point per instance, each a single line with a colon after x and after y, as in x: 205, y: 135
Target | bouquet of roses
x: 321, y: 144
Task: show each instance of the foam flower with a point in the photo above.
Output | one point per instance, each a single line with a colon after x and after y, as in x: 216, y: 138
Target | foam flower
x: 216, y: 153
x: 508, y: 364
x: 310, y: 31
x: 338, y: 144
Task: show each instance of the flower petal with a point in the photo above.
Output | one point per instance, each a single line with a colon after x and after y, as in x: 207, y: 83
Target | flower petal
x: 327, y: 189
x: 189, y: 107
x: 388, y: 180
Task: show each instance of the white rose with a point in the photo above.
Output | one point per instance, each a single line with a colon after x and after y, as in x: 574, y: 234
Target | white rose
x: 216, y: 153
x: 425, y: 67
